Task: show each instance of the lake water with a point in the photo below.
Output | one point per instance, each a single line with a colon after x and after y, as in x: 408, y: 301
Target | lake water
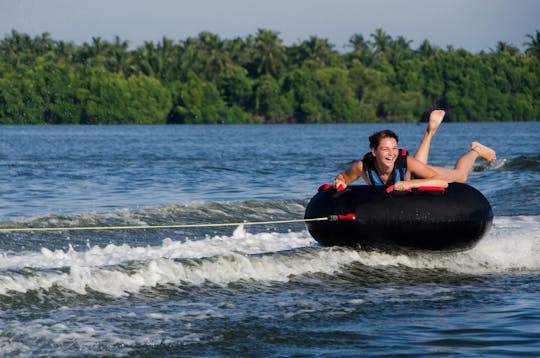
x: 250, y: 290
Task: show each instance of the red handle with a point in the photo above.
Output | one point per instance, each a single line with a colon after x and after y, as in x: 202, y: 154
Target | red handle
x: 350, y: 216
x: 327, y: 186
x: 338, y: 217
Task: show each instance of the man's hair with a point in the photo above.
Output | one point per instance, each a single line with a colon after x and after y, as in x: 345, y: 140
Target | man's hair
x: 376, y: 138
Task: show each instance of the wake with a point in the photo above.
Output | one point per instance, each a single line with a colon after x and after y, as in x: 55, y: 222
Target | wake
x: 512, y: 246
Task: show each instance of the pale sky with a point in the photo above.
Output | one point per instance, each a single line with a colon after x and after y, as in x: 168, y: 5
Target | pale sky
x: 474, y: 25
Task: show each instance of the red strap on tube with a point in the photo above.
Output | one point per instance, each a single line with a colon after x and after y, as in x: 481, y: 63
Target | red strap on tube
x: 431, y: 188
x: 391, y: 189
x: 439, y: 189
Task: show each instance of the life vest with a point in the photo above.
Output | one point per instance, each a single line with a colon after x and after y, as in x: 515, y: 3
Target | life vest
x: 399, y: 171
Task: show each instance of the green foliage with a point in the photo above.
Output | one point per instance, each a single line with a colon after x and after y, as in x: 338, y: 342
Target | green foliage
x: 150, y: 100
x: 336, y: 95
x: 199, y: 102
x: 270, y: 103
x: 105, y: 98
x: 206, y: 79
x: 56, y: 86
x: 19, y: 101
x: 110, y: 98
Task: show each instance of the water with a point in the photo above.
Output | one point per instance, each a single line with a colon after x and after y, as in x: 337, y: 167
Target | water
x: 261, y: 290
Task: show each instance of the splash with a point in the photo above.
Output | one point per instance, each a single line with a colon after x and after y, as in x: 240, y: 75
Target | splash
x: 520, y: 163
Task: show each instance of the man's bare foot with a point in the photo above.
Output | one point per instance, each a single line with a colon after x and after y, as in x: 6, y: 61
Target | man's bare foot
x: 483, y: 151
x: 435, y: 119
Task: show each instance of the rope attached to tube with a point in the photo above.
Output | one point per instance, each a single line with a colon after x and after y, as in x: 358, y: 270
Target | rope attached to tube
x: 176, y: 226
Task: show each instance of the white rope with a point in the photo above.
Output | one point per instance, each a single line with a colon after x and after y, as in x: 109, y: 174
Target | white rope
x: 138, y: 227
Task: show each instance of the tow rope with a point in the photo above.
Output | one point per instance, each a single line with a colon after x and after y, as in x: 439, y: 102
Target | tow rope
x: 177, y: 226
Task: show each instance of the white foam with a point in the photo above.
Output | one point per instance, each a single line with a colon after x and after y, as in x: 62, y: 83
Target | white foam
x: 234, y: 267
x: 512, y: 245
x: 241, y: 241
x: 97, y: 268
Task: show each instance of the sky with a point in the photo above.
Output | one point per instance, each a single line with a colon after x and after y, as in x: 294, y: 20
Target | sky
x: 475, y: 25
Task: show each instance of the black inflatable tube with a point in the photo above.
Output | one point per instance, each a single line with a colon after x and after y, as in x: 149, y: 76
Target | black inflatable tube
x: 452, y: 220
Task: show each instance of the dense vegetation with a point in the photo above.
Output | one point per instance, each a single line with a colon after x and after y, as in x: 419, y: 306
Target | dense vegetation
x: 258, y: 79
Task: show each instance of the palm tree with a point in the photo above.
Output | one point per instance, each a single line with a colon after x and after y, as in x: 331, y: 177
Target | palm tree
x: 120, y: 60
x: 94, y: 53
x: 238, y: 52
x: 169, y: 56
x: 213, y: 55
x: 426, y: 50
x: 317, y: 50
x: 43, y: 45
x: 381, y: 41
x: 162, y: 60
x: 534, y: 45
x: 205, y: 55
x: 360, y: 50
x: 400, y: 50
x: 358, y: 43
x: 147, y: 60
x: 17, y: 48
x: 66, y: 51
x: 505, y: 47
x: 269, y: 53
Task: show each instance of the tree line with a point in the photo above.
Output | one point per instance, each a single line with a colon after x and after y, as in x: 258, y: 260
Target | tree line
x: 258, y: 79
